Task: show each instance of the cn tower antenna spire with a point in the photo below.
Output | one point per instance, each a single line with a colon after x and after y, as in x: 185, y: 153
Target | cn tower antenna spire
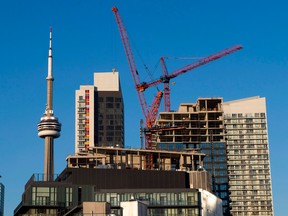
x: 50, y: 62
x: 49, y: 128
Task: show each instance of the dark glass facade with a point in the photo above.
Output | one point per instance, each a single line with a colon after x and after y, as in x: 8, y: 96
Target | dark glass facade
x: 160, y: 203
x: 109, y: 121
x: 215, y: 163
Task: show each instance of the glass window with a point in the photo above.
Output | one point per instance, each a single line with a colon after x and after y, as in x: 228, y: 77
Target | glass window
x: 118, y: 99
x: 44, y: 196
x: 109, y: 105
x: 262, y: 115
x: 68, y: 196
x: 109, y: 99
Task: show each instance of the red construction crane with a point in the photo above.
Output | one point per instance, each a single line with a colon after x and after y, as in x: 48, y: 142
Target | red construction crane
x: 149, y: 115
x: 165, y: 78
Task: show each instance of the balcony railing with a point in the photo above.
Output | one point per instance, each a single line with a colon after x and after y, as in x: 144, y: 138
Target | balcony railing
x: 39, y: 177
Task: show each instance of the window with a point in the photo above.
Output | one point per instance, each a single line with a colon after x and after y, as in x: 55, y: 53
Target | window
x: 118, y: 99
x: 109, y: 105
x: 68, y: 196
x: 109, y: 99
x: 44, y: 196
x: 109, y: 139
x: 262, y: 115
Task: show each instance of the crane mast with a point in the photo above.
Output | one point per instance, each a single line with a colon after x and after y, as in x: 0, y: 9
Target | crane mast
x: 152, y: 114
x: 166, y: 86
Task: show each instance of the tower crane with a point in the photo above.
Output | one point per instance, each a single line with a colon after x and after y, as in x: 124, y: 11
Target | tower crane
x: 165, y: 78
x: 149, y: 114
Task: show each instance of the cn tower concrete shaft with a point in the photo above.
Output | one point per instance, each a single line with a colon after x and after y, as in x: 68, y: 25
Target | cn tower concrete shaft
x: 49, y: 128
x: 50, y: 96
x: 49, y: 159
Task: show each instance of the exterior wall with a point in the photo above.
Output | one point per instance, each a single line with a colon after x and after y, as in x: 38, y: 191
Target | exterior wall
x: 211, y: 205
x: 96, y: 208
x: 200, y: 180
x: 85, y: 118
x: 107, y: 81
x: 248, y: 157
x: 2, y: 193
x: 99, y: 113
x: 133, y: 208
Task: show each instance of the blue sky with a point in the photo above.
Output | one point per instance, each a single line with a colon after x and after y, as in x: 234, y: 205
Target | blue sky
x: 86, y: 39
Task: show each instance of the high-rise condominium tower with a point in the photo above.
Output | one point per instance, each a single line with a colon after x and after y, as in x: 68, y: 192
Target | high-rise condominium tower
x: 233, y: 135
x: 248, y: 157
x: 99, y: 114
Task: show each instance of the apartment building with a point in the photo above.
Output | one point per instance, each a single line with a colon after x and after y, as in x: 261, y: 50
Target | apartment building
x: 248, y: 156
x: 99, y: 113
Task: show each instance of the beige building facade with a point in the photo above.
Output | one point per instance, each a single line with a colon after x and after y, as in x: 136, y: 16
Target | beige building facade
x: 248, y: 156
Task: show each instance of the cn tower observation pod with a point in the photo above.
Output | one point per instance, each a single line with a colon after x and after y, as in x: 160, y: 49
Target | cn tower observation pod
x: 49, y: 126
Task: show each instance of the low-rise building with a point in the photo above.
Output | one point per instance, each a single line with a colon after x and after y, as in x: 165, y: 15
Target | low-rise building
x: 115, y: 175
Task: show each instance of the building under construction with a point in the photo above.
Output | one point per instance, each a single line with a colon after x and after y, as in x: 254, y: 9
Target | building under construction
x: 233, y: 135
x: 198, y: 126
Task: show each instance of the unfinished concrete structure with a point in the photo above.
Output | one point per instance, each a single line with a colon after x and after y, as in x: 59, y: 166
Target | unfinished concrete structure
x: 126, y: 158
x: 198, y: 126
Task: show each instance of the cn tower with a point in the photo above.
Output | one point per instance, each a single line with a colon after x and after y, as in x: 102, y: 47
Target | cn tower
x: 49, y: 128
